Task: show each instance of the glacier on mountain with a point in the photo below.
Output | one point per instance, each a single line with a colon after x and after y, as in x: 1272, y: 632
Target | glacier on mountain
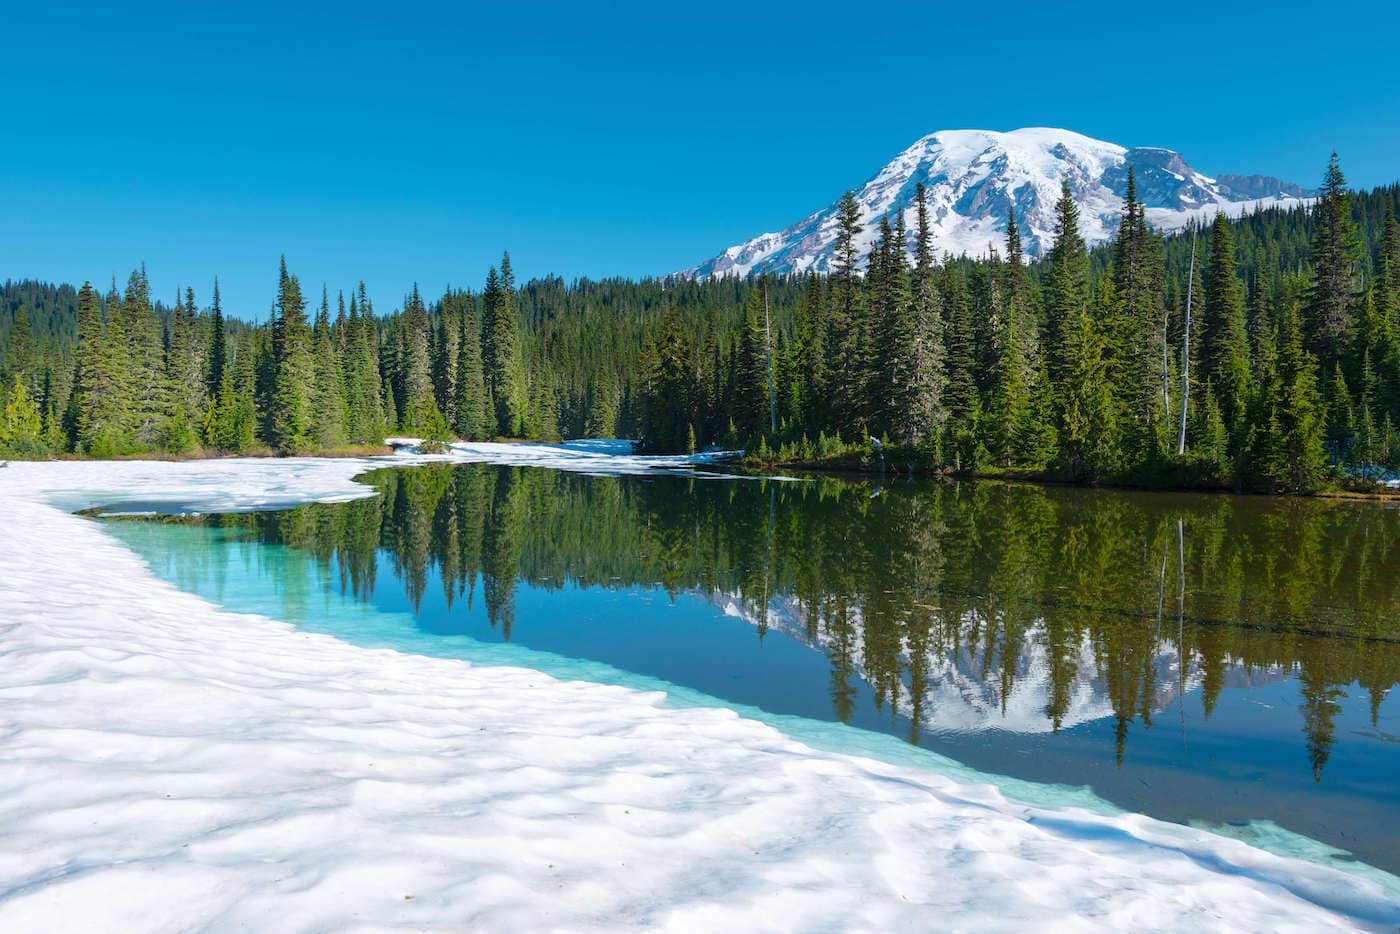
x: 975, y: 178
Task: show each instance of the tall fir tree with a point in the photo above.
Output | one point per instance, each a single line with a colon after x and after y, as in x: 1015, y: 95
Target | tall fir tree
x: 419, y: 408
x: 924, y: 414
x: 1225, y: 357
x: 1335, y: 256
x: 1067, y: 288
x: 1387, y: 286
x: 811, y: 355
x: 505, y: 379
x: 1089, y: 426
x: 1140, y: 365
x: 218, y: 346
x: 447, y: 355
x: 328, y: 392
x: 843, y: 344
x: 291, y: 417
x: 148, y: 407
x: 960, y: 396
x: 474, y: 421
x: 1288, y: 455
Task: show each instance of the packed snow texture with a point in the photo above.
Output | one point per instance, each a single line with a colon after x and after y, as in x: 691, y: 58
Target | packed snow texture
x: 974, y: 178
x: 604, y: 457
x: 171, y: 765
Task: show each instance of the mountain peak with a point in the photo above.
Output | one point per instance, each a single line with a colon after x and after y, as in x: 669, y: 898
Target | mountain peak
x: 975, y: 178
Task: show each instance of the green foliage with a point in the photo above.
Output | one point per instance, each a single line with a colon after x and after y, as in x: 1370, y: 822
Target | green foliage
x: 293, y: 371
x: 1224, y: 339
x: 21, y: 432
x: 1336, y: 252
x: 501, y: 359
x: 1289, y: 456
x: 1090, y: 432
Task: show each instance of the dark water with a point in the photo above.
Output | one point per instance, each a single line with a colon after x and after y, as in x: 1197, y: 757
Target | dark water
x: 1206, y: 659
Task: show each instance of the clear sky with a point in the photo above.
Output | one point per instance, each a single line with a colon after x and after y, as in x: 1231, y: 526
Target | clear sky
x: 402, y: 142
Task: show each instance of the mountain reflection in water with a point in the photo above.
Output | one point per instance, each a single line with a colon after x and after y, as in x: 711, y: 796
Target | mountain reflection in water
x: 1040, y: 632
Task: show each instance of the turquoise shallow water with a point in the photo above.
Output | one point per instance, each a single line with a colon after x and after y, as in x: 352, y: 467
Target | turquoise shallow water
x: 629, y: 603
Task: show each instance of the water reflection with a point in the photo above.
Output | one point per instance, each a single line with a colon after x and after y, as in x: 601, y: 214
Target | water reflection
x: 1214, y: 658
x: 961, y: 607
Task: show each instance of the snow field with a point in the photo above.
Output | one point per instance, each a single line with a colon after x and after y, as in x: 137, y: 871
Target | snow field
x: 170, y: 765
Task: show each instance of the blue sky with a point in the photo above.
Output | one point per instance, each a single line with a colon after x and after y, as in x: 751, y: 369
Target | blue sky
x: 408, y: 142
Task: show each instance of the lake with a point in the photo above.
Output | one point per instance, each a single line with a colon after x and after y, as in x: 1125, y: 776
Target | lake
x: 1215, y: 660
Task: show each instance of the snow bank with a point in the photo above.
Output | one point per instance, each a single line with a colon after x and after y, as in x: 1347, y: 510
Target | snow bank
x: 602, y: 457
x: 169, y: 765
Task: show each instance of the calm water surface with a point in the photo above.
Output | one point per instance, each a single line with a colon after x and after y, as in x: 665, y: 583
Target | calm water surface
x: 1202, y: 659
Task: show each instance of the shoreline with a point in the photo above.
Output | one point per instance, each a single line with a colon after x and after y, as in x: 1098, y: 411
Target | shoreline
x: 839, y: 468
x: 269, y: 774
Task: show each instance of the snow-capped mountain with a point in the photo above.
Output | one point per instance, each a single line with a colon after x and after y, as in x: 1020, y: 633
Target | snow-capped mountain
x: 975, y: 177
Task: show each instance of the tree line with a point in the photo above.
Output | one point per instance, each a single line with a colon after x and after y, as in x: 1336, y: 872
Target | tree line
x: 138, y: 378
x: 1138, y: 363
x: 1081, y: 365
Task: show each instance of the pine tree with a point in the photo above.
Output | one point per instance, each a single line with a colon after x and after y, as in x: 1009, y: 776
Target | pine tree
x: 94, y: 387
x: 1067, y: 289
x: 1019, y: 305
x: 55, y: 438
x: 667, y: 385
x: 1009, y: 405
x: 419, y: 407
x: 1335, y: 256
x: 218, y: 347
x: 242, y: 414
x: 1366, y: 450
x: 601, y: 420
x: 1210, y: 449
x: 959, y: 388
x: 750, y: 408
x: 1341, y: 426
x: 446, y: 356
x: 22, y: 429
x: 1261, y: 327
x: 899, y: 407
x: 184, y: 367
x: 505, y: 378
x: 20, y: 355
x: 811, y: 338
x: 1039, y: 442
x: 291, y: 419
x: 543, y: 418
x: 473, y: 419
x: 1387, y: 286
x: 366, y: 421
x: 106, y: 381
x: 1136, y: 347
x: 1225, y: 362
x: 1089, y: 432
x: 925, y: 414
x: 843, y: 345
x: 1008, y: 408
x: 1289, y: 456
x: 328, y: 391
x: 1373, y: 340
x: 147, y: 408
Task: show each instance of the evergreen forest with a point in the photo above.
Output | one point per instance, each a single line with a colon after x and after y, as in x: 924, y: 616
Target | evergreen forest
x: 1260, y: 353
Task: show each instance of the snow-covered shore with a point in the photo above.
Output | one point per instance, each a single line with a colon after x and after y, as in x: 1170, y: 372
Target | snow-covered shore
x: 170, y: 765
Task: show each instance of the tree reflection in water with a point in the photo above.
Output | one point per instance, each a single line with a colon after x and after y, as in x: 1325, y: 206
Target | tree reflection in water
x: 1102, y: 603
